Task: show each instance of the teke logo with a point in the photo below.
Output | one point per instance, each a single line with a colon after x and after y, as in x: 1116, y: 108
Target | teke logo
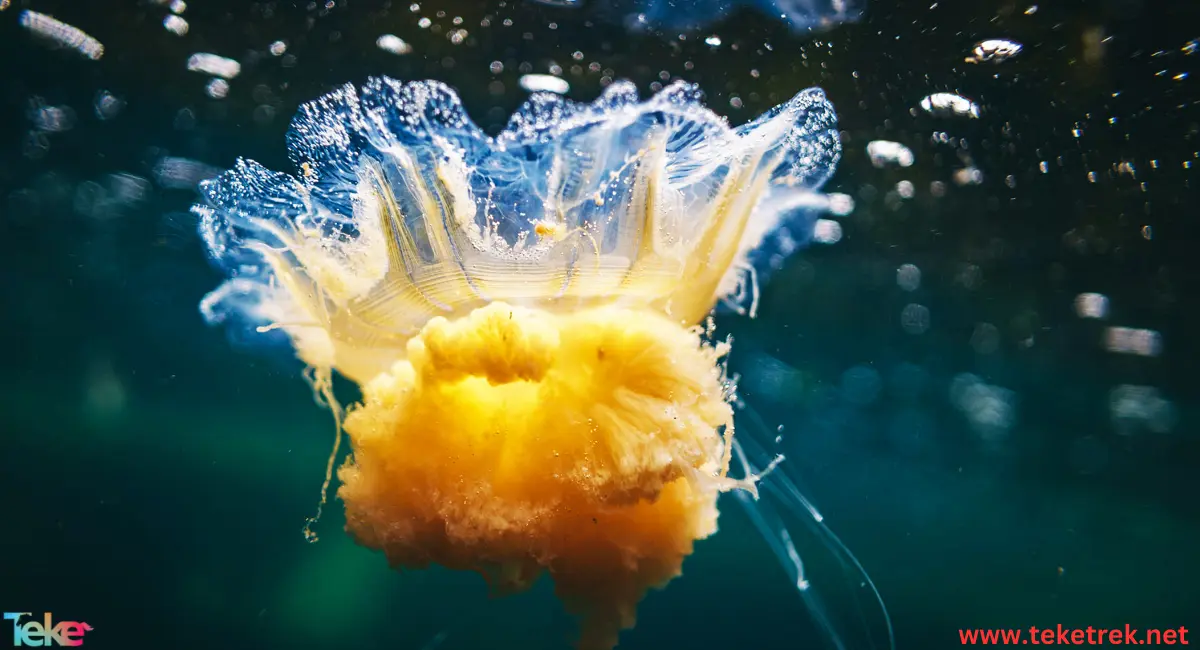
x: 35, y: 634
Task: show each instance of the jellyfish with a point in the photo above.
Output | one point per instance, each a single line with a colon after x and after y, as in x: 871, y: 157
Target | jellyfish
x: 675, y: 16
x: 528, y: 319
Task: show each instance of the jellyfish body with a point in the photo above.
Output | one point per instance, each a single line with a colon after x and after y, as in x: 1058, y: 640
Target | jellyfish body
x: 523, y: 315
x: 674, y: 16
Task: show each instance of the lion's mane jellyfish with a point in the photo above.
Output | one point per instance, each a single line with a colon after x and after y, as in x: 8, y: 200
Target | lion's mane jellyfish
x: 525, y: 317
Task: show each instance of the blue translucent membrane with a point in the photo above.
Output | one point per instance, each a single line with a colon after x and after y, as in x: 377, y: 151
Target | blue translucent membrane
x: 404, y: 209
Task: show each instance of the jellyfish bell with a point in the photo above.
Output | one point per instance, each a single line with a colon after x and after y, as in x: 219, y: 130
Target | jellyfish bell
x: 524, y: 315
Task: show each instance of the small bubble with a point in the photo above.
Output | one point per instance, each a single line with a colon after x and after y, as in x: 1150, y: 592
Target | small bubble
x: 994, y: 50
x: 393, y: 44
x: 949, y: 104
x: 542, y: 82
x: 176, y: 25
x: 217, y: 88
x: 985, y: 339
x: 827, y: 231
x: 914, y: 318
x: 885, y: 152
x: 107, y: 106
x: 908, y: 277
x: 838, y: 204
x: 51, y: 119
x: 968, y: 176
x: 1134, y: 407
x: 1091, y: 305
x: 1129, y: 340
x: 211, y: 64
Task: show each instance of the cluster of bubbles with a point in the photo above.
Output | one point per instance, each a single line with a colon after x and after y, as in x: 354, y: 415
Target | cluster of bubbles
x: 915, y: 318
x: 990, y: 406
x: 109, y: 195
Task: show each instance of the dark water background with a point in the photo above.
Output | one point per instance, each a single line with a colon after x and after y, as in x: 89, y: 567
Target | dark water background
x: 156, y: 477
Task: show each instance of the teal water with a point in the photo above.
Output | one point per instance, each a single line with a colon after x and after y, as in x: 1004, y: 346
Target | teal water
x: 158, y: 477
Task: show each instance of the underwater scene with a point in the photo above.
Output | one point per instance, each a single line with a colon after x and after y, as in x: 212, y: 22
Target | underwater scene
x: 595, y: 324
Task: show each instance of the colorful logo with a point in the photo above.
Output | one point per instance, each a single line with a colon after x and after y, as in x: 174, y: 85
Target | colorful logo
x: 46, y: 633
